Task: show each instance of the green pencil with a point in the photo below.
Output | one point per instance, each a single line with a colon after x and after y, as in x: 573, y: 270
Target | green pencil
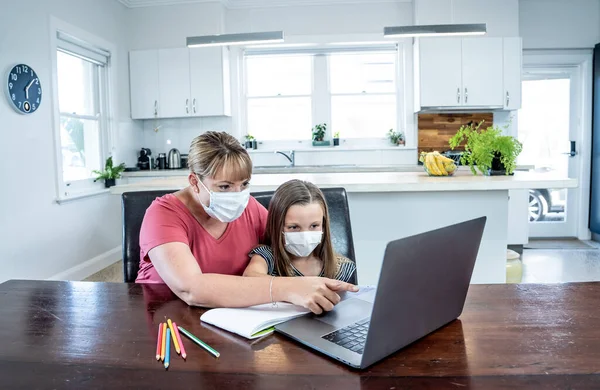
x: 199, y: 342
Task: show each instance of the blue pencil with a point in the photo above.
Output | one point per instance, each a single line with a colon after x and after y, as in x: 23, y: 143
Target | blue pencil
x: 167, y: 350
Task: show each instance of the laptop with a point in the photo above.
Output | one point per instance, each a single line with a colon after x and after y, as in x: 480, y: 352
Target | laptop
x: 422, y: 286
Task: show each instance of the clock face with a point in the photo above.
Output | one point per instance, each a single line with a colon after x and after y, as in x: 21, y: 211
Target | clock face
x: 24, y: 89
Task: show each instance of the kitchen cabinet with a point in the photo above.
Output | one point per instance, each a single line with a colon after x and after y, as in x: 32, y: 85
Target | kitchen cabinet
x: 179, y: 83
x: 441, y: 72
x: 143, y: 83
x: 513, y: 65
x: 210, y: 88
x: 174, y: 82
x: 482, y: 77
x: 468, y: 73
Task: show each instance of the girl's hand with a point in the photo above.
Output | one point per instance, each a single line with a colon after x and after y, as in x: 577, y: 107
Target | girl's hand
x: 313, y: 293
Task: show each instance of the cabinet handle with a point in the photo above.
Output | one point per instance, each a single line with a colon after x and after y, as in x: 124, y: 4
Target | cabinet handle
x: 507, y: 98
x: 194, y: 105
x: 156, y: 108
x: 187, y: 106
x: 458, y: 95
x: 466, y: 95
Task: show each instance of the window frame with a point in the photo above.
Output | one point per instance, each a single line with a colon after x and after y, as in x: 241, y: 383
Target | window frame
x: 71, y: 190
x: 321, y: 97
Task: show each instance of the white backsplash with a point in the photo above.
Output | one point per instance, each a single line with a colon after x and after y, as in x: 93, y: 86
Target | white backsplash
x: 179, y: 133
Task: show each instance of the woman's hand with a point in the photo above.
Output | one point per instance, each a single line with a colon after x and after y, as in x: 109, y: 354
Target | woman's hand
x: 313, y: 293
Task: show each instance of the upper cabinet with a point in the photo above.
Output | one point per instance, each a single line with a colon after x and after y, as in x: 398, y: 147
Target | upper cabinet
x: 468, y: 73
x: 513, y: 65
x: 178, y: 83
x: 143, y: 78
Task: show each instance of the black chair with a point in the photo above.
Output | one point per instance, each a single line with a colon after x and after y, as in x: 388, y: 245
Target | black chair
x: 339, y: 216
x: 134, y: 205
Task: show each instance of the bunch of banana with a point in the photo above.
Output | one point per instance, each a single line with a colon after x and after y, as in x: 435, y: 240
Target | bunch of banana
x: 437, y: 165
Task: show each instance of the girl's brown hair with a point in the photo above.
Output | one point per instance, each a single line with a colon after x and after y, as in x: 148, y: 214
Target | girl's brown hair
x: 215, y: 152
x: 297, y: 192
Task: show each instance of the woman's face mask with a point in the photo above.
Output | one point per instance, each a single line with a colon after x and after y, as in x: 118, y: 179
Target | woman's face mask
x: 225, y: 206
x: 302, y: 244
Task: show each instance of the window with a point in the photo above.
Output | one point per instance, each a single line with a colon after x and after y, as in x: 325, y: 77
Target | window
x: 81, y: 71
x: 363, y: 94
x: 353, y: 90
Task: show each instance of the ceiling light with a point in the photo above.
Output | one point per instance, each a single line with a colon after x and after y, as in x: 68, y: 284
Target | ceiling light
x: 434, y: 30
x: 235, y: 39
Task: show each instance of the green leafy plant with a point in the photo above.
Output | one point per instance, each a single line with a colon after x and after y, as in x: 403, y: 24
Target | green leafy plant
x: 336, y: 134
x: 110, y: 171
x: 318, y: 132
x: 484, y: 148
x: 395, y: 137
x: 249, y: 137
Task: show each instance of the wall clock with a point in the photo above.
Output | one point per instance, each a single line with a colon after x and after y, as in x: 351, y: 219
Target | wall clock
x: 24, y: 89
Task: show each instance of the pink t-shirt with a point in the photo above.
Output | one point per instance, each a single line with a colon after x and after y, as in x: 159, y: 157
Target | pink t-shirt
x: 169, y: 220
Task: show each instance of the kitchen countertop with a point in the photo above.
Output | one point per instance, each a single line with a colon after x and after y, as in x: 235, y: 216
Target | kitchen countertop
x: 380, y: 182
x: 303, y: 169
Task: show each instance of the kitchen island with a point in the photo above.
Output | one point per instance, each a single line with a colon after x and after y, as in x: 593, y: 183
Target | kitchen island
x: 389, y: 205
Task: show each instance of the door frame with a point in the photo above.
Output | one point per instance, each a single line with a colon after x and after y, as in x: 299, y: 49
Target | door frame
x: 580, y: 60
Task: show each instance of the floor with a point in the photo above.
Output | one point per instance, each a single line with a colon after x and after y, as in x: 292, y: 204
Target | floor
x: 562, y: 265
x: 539, y: 265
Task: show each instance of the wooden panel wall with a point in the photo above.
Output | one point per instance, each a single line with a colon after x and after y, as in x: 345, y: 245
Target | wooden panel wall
x: 435, y: 130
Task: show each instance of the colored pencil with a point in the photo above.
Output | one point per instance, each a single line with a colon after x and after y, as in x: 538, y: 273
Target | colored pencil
x: 199, y: 342
x: 159, y: 341
x: 175, y: 342
x: 168, y: 351
x: 163, y: 341
x: 183, y: 354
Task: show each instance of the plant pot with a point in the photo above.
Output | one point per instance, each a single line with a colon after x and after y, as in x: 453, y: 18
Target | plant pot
x: 498, y: 168
x: 248, y: 144
x: 402, y: 142
x: 336, y: 142
x: 109, y: 182
x: 254, y: 144
x: 321, y: 143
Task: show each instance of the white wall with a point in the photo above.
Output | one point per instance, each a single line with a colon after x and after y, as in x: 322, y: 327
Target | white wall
x: 557, y: 24
x: 39, y: 238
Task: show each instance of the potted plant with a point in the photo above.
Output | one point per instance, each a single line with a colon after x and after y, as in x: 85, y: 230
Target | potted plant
x: 318, y: 135
x: 249, y: 141
x: 110, y: 173
x: 488, y: 150
x: 336, y: 138
x: 396, y: 137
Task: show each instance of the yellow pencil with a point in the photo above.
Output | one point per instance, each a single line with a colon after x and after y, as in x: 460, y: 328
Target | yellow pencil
x: 173, y: 337
x: 164, y: 342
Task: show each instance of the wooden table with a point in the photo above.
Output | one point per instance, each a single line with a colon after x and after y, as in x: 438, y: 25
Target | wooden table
x: 59, y: 335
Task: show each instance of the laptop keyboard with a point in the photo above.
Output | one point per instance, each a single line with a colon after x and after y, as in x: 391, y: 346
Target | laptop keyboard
x: 351, y: 337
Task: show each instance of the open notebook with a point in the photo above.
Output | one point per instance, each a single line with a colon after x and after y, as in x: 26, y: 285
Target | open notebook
x: 254, y: 321
x: 257, y: 321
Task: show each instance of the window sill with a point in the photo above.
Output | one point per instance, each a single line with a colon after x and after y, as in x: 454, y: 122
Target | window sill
x: 331, y: 149
x: 81, y: 195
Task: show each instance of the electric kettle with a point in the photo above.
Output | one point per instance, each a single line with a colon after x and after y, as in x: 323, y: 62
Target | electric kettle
x: 174, y: 159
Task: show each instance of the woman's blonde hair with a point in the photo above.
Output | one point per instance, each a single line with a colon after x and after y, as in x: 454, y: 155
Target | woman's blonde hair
x: 297, y: 192
x: 214, y: 153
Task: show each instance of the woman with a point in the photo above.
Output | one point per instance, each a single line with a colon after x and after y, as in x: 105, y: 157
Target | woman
x: 197, y: 240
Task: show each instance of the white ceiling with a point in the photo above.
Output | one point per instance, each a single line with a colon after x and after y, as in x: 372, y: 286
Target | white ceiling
x: 252, y: 3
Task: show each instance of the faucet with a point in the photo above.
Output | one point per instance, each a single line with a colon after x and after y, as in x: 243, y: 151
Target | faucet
x: 291, y: 157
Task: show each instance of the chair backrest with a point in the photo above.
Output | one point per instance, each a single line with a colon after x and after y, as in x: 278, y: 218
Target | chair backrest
x: 133, y: 207
x: 339, y: 217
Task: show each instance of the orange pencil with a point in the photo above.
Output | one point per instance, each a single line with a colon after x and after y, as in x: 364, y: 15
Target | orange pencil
x: 183, y: 354
x: 164, y: 341
x: 159, y: 341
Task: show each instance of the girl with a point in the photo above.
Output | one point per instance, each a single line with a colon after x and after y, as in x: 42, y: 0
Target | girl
x: 297, y: 237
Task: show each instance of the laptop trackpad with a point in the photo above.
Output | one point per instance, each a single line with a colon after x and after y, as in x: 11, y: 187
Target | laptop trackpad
x: 347, y: 312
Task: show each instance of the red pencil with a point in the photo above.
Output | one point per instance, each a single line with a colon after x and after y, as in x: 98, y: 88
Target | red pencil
x: 159, y: 341
x: 183, y: 354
